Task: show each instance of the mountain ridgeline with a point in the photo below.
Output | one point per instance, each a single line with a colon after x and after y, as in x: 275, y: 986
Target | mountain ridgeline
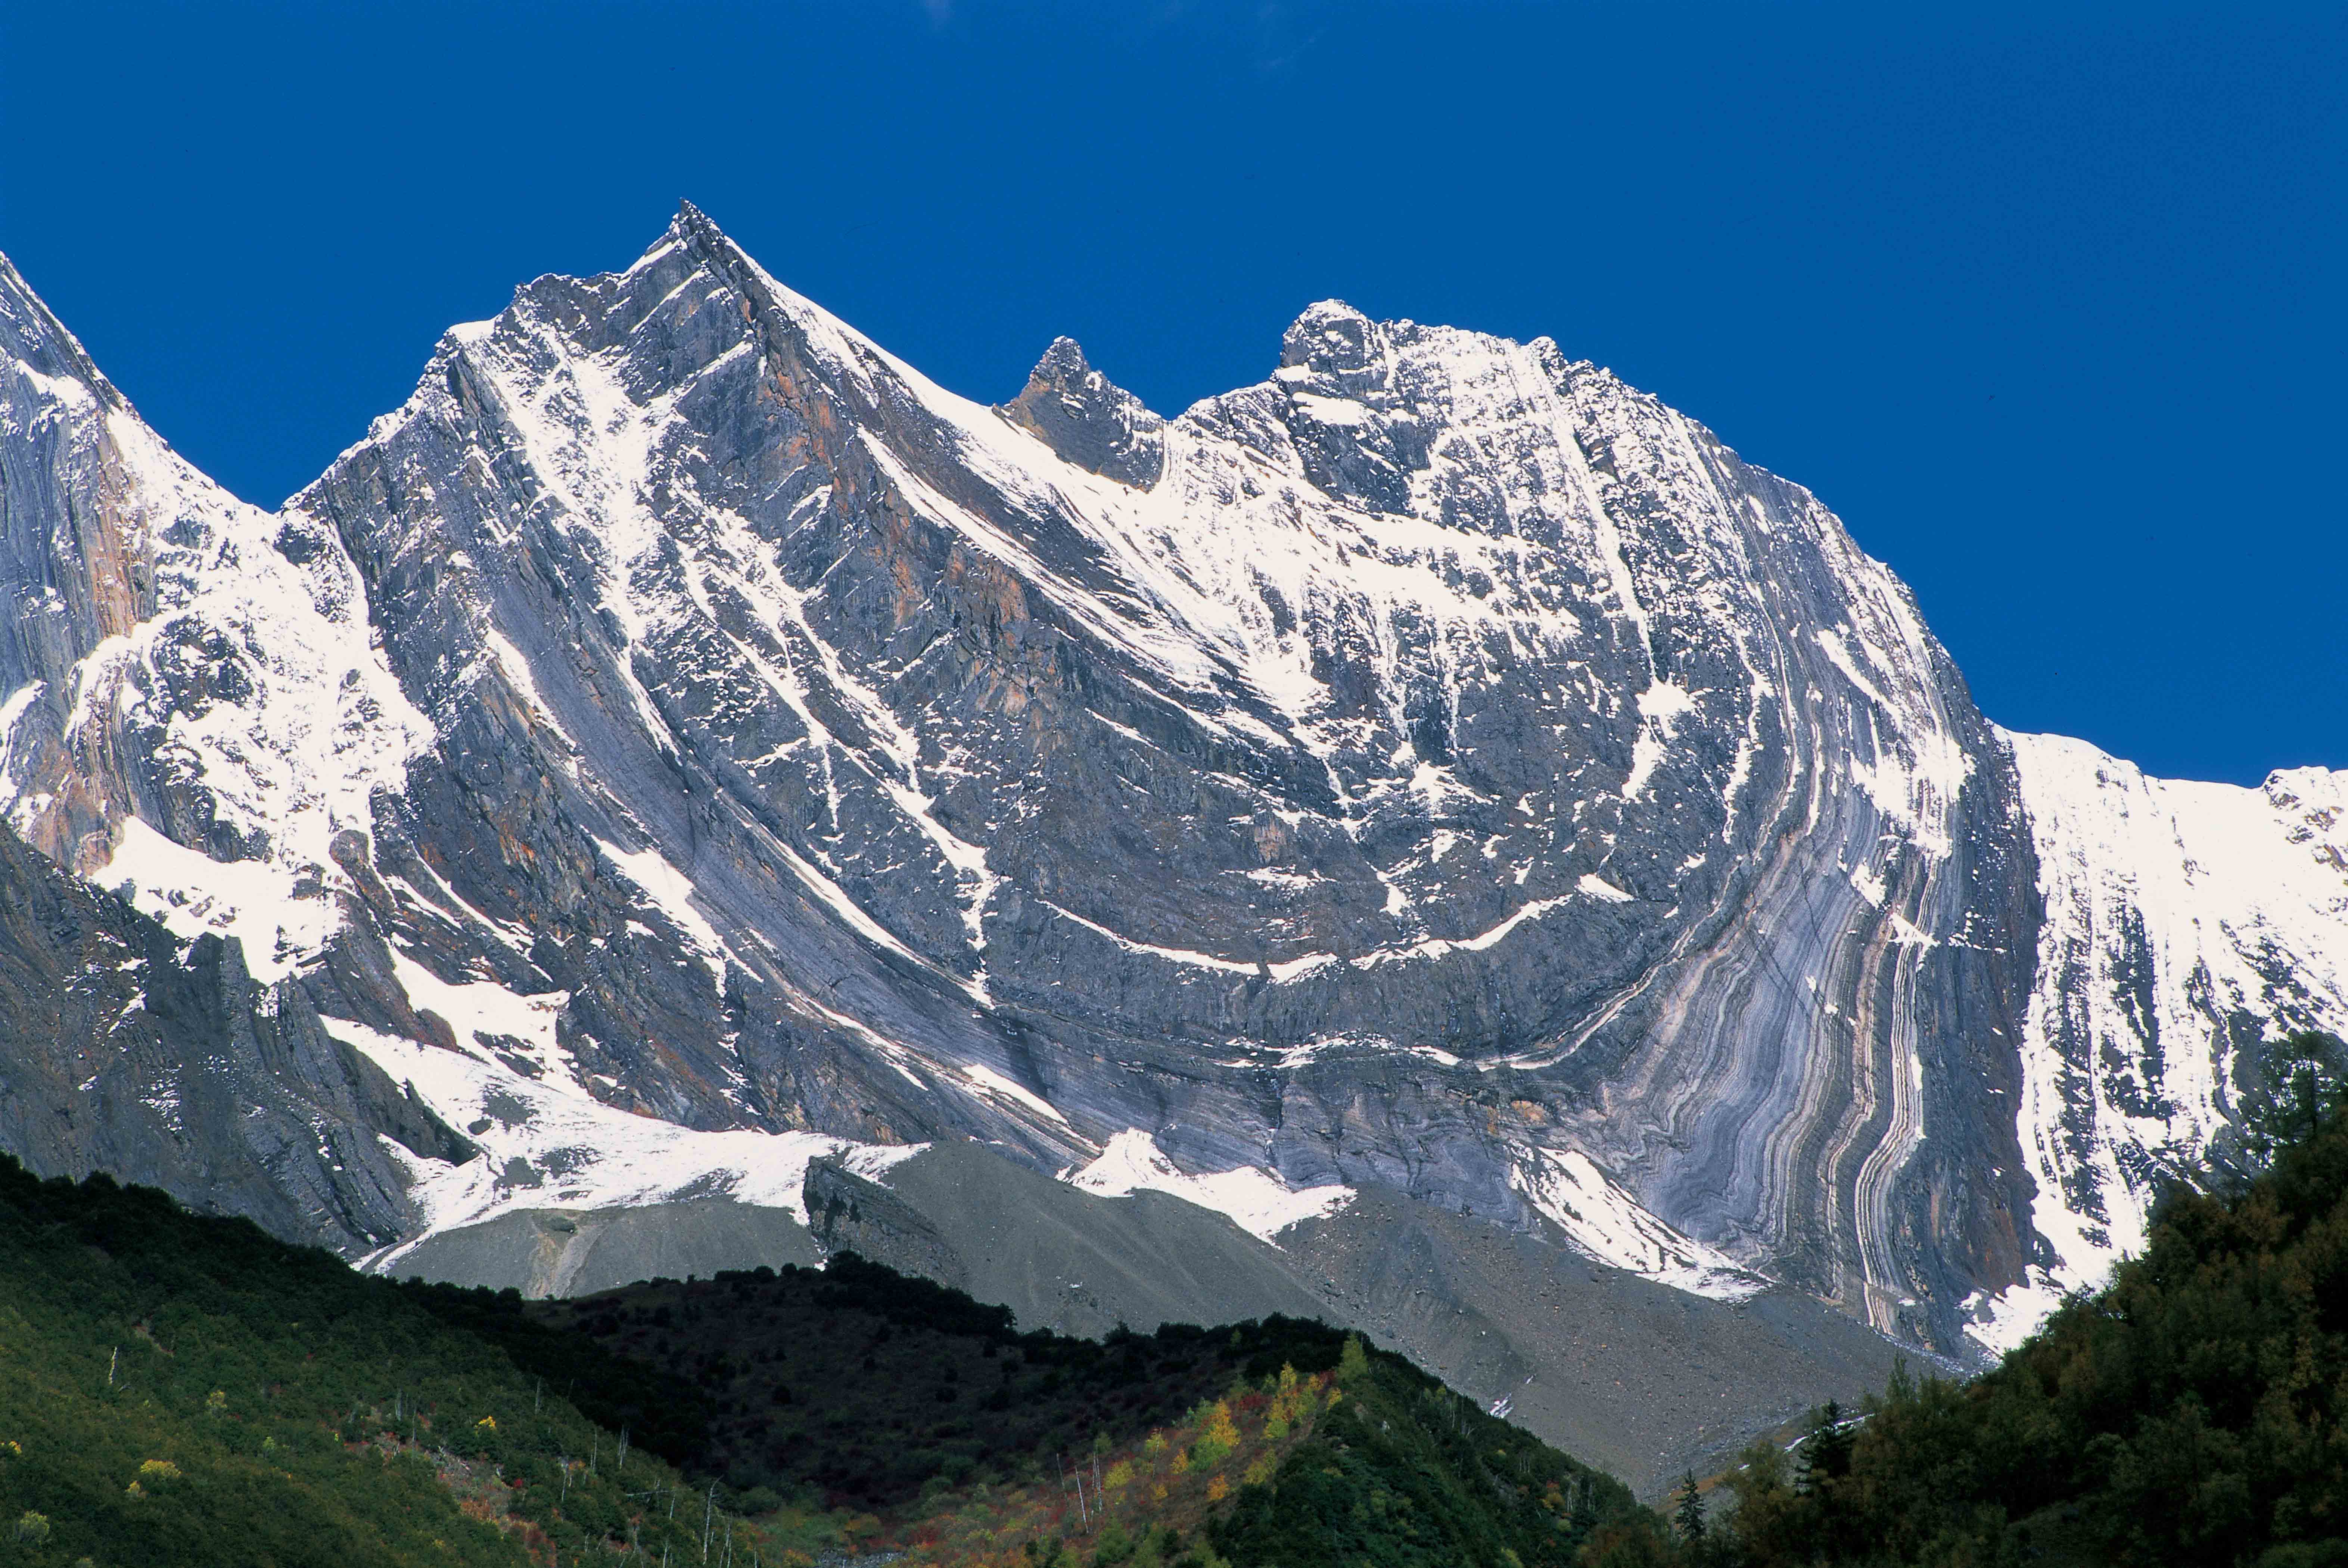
x: 1432, y: 840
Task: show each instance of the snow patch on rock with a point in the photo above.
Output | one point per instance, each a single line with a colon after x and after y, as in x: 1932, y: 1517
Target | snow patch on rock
x: 1610, y: 1225
x: 1253, y: 1199
x: 543, y: 1147
x: 254, y: 902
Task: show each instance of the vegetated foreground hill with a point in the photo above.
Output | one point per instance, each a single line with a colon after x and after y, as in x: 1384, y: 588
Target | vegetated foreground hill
x: 1278, y: 1442
x: 177, y: 1392
x: 187, y: 1391
x: 2194, y: 1412
x: 681, y: 742
x: 868, y: 1385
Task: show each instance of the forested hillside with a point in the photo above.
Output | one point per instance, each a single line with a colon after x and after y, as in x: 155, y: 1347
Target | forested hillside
x: 2191, y: 1412
x: 179, y: 1391
x: 868, y: 1385
x: 1271, y: 1442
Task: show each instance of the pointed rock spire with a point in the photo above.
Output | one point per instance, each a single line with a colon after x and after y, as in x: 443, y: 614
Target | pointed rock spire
x: 1088, y: 420
x: 691, y: 228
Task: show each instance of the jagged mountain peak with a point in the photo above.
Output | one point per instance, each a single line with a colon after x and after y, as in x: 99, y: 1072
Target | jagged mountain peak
x: 1061, y: 363
x: 1478, y: 691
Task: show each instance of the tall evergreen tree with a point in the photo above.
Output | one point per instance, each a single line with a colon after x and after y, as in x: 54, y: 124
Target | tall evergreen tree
x: 2302, y: 1074
x: 1826, y: 1451
x: 1688, y: 1516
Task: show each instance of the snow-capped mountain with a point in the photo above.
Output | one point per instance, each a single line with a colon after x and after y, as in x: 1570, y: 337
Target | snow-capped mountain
x: 682, y: 751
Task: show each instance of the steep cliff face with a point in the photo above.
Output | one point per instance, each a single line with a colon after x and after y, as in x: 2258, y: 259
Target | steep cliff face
x: 682, y: 743
x: 166, y: 1062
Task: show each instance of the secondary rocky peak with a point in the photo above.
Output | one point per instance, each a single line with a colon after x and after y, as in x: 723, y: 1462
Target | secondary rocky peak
x: 1330, y: 339
x: 1088, y: 420
x: 1062, y: 364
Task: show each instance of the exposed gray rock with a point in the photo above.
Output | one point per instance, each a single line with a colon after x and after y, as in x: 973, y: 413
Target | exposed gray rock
x: 1069, y: 1261
x: 163, y: 1063
x: 847, y: 1213
x: 558, y: 1251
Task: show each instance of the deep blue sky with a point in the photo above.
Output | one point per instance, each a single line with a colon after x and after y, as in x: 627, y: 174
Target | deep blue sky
x: 2047, y: 302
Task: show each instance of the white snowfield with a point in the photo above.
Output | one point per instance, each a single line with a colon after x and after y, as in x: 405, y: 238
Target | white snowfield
x: 546, y: 1147
x: 1608, y: 1224
x: 1252, y: 1197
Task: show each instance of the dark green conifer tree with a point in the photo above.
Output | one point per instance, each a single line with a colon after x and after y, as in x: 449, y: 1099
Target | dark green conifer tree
x: 1688, y: 1516
x: 1826, y: 1451
x: 2301, y: 1076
